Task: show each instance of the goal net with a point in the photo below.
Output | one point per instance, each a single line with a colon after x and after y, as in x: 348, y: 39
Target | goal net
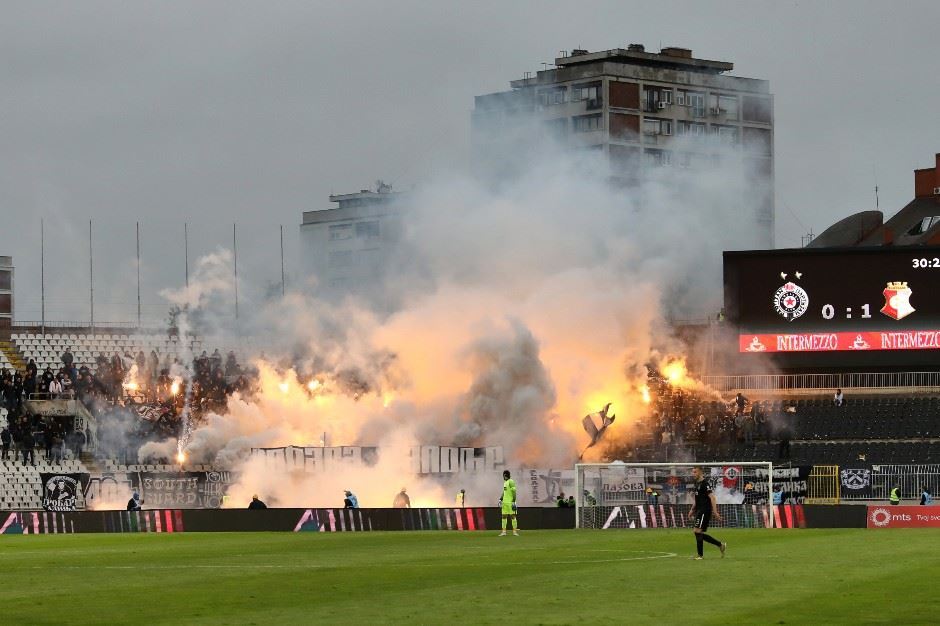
x: 661, y: 495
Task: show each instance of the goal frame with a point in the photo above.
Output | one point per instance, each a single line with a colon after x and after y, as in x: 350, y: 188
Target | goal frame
x: 579, y: 485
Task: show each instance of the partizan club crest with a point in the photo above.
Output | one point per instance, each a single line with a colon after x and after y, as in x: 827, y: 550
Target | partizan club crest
x: 791, y: 300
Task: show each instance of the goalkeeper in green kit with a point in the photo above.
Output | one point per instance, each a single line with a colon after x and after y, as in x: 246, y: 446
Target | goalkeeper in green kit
x: 508, y: 503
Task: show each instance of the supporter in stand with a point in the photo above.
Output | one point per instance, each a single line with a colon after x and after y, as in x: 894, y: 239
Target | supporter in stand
x: 6, y: 437
x: 27, y: 443
x: 153, y: 366
x: 925, y: 498
x: 135, y: 503
x: 256, y: 503
x: 350, y: 501
x: 838, y: 399
x: 231, y: 364
x: 67, y: 358
x: 55, y: 387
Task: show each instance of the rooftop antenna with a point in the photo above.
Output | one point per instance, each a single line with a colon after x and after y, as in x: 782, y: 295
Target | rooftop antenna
x: 806, y: 239
x: 875, y: 176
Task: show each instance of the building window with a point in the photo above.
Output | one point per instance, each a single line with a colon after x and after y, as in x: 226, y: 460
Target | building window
x: 691, y: 129
x: 695, y: 100
x: 756, y: 140
x: 341, y: 258
x: 585, y: 92
x: 367, y: 230
x: 653, y: 127
x: 728, y: 107
x: 656, y: 99
x: 6, y: 280
x: 551, y: 97
x: 339, y: 232
x: 727, y: 135
x: 658, y: 158
x: 924, y: 225
x: 587, y: 123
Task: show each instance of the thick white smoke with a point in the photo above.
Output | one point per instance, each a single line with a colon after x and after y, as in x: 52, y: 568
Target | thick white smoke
x: 520, y: 310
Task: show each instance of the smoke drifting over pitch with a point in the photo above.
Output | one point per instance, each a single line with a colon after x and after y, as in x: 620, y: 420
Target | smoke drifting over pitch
x: 521, y: 310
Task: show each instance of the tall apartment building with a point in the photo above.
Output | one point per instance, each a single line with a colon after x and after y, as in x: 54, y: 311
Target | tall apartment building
x: 346, y: 249
x: 640, y: 110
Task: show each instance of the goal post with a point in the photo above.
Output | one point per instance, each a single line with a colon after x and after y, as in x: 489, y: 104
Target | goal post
x: 661, y: 495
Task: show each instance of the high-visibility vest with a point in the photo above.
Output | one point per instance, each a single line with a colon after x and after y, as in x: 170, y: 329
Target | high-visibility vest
x: 895, y: 495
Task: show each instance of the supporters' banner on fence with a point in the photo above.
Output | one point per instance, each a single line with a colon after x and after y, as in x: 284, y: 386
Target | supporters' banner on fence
x: 423, y: 459
x: 792, y: 480
x: 541, y: 487
x: 63, y: 492
x: 184, y: 490
x: 903, y: 517
x: 623, y: 484
x: 856, y: 481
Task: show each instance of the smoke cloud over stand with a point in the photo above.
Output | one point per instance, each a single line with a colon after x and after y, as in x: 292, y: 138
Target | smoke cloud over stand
x: 520, y: 310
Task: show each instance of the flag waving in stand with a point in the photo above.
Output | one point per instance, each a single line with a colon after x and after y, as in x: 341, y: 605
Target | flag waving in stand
x: 591, y: 428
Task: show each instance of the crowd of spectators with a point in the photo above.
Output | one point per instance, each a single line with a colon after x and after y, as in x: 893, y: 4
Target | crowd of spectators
x: 22, y: 433
x: 139, y: 398
x: 684, y: 424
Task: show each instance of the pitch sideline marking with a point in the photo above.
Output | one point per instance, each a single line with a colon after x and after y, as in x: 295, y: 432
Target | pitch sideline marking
x: 655, y: 555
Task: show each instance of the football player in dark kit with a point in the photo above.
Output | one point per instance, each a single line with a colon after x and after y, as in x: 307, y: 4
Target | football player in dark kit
x: 705, y: 508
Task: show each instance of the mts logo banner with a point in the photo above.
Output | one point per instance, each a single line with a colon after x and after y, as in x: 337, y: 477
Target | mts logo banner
x: 903, y: 517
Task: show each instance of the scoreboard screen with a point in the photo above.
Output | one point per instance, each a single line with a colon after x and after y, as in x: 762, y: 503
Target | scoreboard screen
x: 871, y: 305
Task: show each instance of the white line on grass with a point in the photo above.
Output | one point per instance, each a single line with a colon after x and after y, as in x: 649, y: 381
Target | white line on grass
x: 650, y: 555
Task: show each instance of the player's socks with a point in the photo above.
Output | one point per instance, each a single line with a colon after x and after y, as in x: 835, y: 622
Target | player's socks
x: 513, y: 520
x: 710, y: 539
x: 698, y: 543
x: 504, y: 524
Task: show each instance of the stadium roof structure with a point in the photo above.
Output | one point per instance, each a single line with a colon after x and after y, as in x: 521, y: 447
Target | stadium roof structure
x: 917, y: 224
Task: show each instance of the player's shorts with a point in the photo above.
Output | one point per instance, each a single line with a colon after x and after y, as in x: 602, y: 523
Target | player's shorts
x: 702, y: 520
x: 507, y: 509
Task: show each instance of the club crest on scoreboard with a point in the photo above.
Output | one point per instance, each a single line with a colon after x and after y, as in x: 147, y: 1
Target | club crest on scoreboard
x: 790, y: 300
x: 897, y: 300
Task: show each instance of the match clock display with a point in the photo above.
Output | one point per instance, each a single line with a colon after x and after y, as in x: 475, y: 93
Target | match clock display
x: 834, y: 300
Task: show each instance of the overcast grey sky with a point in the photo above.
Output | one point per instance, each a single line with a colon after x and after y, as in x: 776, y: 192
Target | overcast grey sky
x: 252, y: 112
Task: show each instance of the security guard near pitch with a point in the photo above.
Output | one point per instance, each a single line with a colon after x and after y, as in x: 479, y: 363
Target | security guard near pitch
x: 895, y: 496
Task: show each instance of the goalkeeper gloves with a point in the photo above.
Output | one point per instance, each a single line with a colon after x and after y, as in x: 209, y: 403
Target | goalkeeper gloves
x: 513, y: 506
x: 500, y: 502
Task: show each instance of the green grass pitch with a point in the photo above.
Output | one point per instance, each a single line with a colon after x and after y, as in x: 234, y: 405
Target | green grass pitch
x: 542, y: 577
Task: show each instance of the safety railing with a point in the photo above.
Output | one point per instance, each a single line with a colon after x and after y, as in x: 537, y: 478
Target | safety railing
x: 855, y: 380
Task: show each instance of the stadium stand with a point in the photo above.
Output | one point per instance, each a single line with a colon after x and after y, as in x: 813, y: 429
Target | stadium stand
x: 893, y: 426
x: 105, y: 409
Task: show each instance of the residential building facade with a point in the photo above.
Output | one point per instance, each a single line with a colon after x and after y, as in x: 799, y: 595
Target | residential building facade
x: 639, y: 110
x: 346, y: 249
